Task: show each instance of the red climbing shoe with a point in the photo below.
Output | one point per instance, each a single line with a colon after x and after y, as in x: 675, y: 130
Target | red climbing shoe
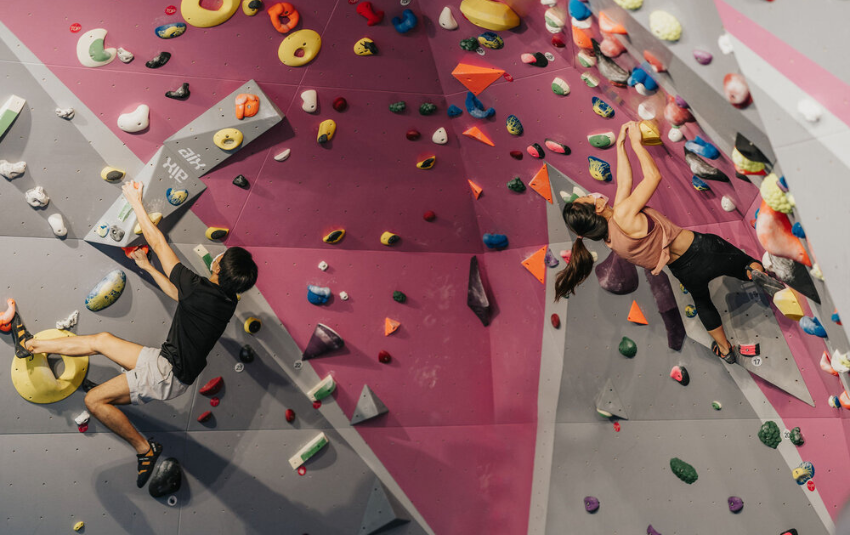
x: 728, y: 357
x: 20, y: 336
x: 147, y: 462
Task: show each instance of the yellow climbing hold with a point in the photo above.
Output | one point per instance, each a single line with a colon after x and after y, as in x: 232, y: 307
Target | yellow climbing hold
x: 665, y: 26
x: 228, y: 139
x: 777, y: 199
x: 629, y: 4
x: 34, y: 379
x: 199, y: 17
x: 155, y: 218
x: 490, y: 15
x: 216, y: 233
x: 787, y: 303
x: 745, y: 165
x: 79, y: 525
x: 308, y: 41
x: 649, y: 133
x: 327, y: 129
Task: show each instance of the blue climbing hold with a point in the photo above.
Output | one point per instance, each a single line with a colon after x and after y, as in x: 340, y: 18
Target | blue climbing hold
x: 782, y: 184
x: 454, y: 111
x: 703, y: 148
x: 797, y: 230
x: 318, y: 295
x: 602, y: 108
x: 476, y: 108
x: 836, y: 318
x: 640, y: 76
x: 579, y: 10
x: 599, y: 169
x: 812, y: 326
x: 495, y: 241
x: 699, y: 184
x: 406, y: 22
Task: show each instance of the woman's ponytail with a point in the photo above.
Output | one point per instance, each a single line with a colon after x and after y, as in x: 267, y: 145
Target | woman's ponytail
x: 577, y: 270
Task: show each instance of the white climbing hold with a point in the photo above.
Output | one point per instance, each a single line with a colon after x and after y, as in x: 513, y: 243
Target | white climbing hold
x: 281, y: 156
x: 36, y: 197
x: 90, y: 49
x: 309, y: 101
x: 585, y: 24
x: 549, y: 3
x: 594, y: 255
x: 12, y: 170
x: 323, y: 265
x: 57, y: 223
x: 343, y: 296
x: 68, y: 322
x: 65, y: 113
x: 579, y: 192
x: 82, y: 418
x: 810, y: 110
x: 560, y: 86
x: 125, y: 55
x: 136, y: 120
x: 555, y: 19
x: 646, y: 111
x: 675, y: 135
x: 447, y: 20
x: 440, y: 137
x: 665, y: 26
x: 725, y: 44
x: 816, y: 272
x: 727, y: 203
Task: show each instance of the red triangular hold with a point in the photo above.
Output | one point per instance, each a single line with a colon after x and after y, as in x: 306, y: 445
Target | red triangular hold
x: 636, y: 315
x: 536, y: 264
x: 540, y: 183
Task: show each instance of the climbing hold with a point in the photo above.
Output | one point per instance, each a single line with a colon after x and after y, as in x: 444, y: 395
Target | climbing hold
x: 599, y: 169
x: 514, y: 126
x: 57, y: 224
x: 412, y: 135
x: 797, y: 230
x: 560, y: 86
x: 390, y: 326
x: 69, y: 322
x: 680, y: 375
x: 810, y: 110
x: 491, y: 40
x: 608, y: 25
x: 602, y: 141
x: 166, y: 478
x: 179, y: 94
x: 107, y: 291
x: 703, y: 57
x: 311, y: 448
x: 317, y: 295
x: 367, y: 11
x: 388, y: 238
x: 307, y: 41
x: 748, y: 159
x: 206, y: 415
x: 683, y: 470
x: 649, y: 133
x: 216, y: 233
x: 774, y: 233
x: 516, y: 154
x: 787, y: 303
x: 7, y: 316
x: 537, y: 59
x: 327, y: 129
x: 675, y: 135
x: 323, y: 265
x: 176, y: 197
x: 289, y: 415
x: 586, y: 59
x: 399, y: 297
x: 429, y: 216
x: 616, y: 275
x: 323, y: 341
x: 440, y: 136
x: 536, y: 264
x: 228, y: 139
x: 591, y: 504
x: 495, y: 241
x: 102, y: 230
x: 454, y: 111
x: 642, y: 82
x: 826, y: 364
x: 736, y: 90
x: 602, y: 108
x: 535, y: 151
x: 698, y: 184
x: 398, y: 107
x: 406, y: 22
x: 773, y: 195
x: 769, y: 434
x: 476, y: 293
x: 557, y: 147
x: 247, y: 354
x: 844, y: 400
x: 334, y: 237
x: 252, y: 325
x: 801, y: 475
x: 427, y: 163
x: 690, y: 311
x: 158, y: 61
x: 212, y: 387
x: 675, y: 114
x: 309, y: 101
x: 247, y: 105
x: 665, y: 26
x: 427, y: 108
x: 556, y: 321
x: 703, y: 169
x: 494, y: 16
x: 654, y: 62
x: 251, y: 7
x: 201, y: 17
x: 475, y: 133
x: 589, y: 79
x: 835, y: 317
x: 735, y: 504
x: 541, y: 184
x: 241, y: 182
x: 627, y: 347
x: 476, y: 79
x: 555, y: 19
x: 171, y: 30
x: 834, y: 402
x: 812, y: 326
x: 136, y: 120
x: 550, y: 259
x: 365, y: 47
x: 796, y: 437
x: 155, y: 218
x: 579, y: 10
x: 476, y: 189
x: 476, y: 109
x: 629, y: 4
x: 652, y: 531
x: 91, y: 51
x: 447, y: 20
x: 582, y: 36
x: 36, y: 197
x: 716, y: 405
x: 287, y: 11
x: 368, y: 406
x: 125, y: 55
x: 340, y: 104
x: 702, y: 148
x: 610, y: 70
x: 515, y: 184
x: 65, y: 113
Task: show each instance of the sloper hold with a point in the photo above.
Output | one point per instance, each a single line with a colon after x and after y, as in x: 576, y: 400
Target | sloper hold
x: 324, y: 340
x: 662, y: 291
x: 166, y: 478
x: 476, y: 79
x: 368, y: 406
x: 540, y: 183
x: 476, y: 293
x: 536, y: 264
x: 616, y: 275
x: 608, y: 401
x: 383, y: 511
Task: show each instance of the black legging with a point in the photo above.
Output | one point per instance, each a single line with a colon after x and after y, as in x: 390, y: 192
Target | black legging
x: 709, y: 257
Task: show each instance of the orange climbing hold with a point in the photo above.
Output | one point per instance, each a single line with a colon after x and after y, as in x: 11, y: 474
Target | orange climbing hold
x: 476, y: 79
x: 582, y: 38
x: 607, y: 24
x: 390, y: 326
x: 536, y: 264
x: 540, y: 183
x: 636, y: 315
x: 475, y: 133
x: 476, y: 189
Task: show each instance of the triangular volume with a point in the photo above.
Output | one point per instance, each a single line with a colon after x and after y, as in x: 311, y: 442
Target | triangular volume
x: 324, y: 340
x: 476, y: 189
x: 476, y: 294
x: 390, y: 326
x: 636, y: 315
x: 475, y: 133
x: 608, y: 402
x: 536, y: 264
x: 476, y: 79
x: 540, y: 183
x: 368, y: 406
x: 383, y: 512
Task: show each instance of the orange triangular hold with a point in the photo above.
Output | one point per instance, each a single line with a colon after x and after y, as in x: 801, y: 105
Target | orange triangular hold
x: 536, y: 264
x: 475, y: 133
x: 390, y: 326
x: 476, y: 189
x: 540, y: 183
x: 636, y: 315
x: 476, y: 79
x: 607, y: 24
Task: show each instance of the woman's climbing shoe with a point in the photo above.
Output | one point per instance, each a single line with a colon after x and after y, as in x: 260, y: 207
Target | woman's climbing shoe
x: 20, y: 337
x: 147, y: 462
x: 728, y: 357
x: 764, y: 281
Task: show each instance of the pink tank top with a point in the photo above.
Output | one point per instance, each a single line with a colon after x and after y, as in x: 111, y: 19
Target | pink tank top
x: 650, y: 252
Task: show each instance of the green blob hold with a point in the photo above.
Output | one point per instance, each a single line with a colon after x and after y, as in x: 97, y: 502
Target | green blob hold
x: 628, y: 347
x: 470, y: 45
x: 399, y: 296
x: 683, y: 470
x: 797, y: 437
x: 97, y: 52
x: 716, y: 405
x: 515, y: 184
x: 398, y: 107
x: 769, y: 434
x: 427, y: 108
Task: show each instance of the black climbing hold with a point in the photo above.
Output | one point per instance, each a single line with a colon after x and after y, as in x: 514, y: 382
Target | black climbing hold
x: 166, y: 478
x: 399, y: 297
x: 160, y: 60
x: 116, y: 233
x: 476, y: 294
x: 247, y: 354
x: 241, y: 182
x: 179, y: 94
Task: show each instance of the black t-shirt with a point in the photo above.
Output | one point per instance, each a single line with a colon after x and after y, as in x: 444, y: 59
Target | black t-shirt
x: 203, y: 311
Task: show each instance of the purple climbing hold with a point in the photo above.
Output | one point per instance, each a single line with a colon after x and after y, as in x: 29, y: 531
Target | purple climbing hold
x: 616, y: 275
x: 703, y: 57
x: 652, y: 531
x: 666, y: 301
x: 591, y: 504
x: 550, y: 259
x: 681, y: 102
x: 735, y: 504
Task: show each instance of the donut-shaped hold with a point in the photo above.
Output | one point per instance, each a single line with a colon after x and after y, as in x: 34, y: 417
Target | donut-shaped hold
x: 199, y: 17
x: 228, y: 139
x: 308, y: 41
x: 284, y: 9
x: 91, y: 51
x: 34, y: 379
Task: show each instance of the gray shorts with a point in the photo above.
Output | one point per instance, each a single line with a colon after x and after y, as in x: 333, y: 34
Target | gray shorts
x: 153, y: 378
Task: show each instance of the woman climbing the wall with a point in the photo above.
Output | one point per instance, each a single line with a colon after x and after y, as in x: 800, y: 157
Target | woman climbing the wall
x: 643, y: 236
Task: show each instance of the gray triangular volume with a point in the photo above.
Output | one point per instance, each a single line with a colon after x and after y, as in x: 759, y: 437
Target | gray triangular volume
x: 368, y: 406
x: 609, y: 401
x: 383, y: 512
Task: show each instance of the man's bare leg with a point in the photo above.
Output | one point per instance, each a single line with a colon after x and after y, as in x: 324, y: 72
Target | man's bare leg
x: 101, y: 401
x: 122, y: 352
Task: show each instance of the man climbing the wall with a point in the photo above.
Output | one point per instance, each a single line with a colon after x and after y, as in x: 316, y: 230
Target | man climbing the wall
x: 204, y: 308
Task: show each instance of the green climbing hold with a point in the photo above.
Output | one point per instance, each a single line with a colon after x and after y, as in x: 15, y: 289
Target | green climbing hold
x: 628, y: 347
x: 769, y: 434
x: 683, y: 470
x: 398, y: 107
x: 716, y: 405
x: 399, y: 297
x: 97, y: 52
x: 515, y: 184
x: 470, y: 45
x: 427, y: 108
x: 796, y: 437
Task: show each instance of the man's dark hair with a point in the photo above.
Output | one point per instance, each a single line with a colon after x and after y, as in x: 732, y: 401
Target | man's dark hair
x: 238, y: 272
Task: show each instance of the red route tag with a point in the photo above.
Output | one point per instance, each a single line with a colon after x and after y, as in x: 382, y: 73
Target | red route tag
x: 76, y: 27
x: 170, y: 10
x: 810, y: 484
x: 508, y: 77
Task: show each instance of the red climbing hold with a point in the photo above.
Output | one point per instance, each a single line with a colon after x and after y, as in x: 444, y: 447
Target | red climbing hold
x: 556, y: 321
x: 76, y: 27
x: 83, y: 428
x: 205, y: 416
x: 317, y: 404
x: 340, y: 104
x: 810, y: 484
x: 214, y: 402
x: 384, y: 357
x: 212, y: 387
x: 302, y: 470
x: 507, y: 77
x: 170, y: 10
x: 368, y: 12
x: 558, y: 42
x: 412, y: 135
x: 290, y: 415
x: 516, y: 154
x: 617, y: 427
x: 429, y: 216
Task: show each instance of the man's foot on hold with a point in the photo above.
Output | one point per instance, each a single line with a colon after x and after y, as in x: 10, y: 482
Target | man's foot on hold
x: 729, y: 356
x: 20, y: 337
x: 147, y: 462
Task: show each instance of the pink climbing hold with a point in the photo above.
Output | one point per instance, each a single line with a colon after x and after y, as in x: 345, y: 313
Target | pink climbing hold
x: 736, y: 90
x: 773, y: 230
x: 516, y: 155
x: 616, y: 427
x: 611, y: 46
x: 75, y: 27
x: 675, y: 114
